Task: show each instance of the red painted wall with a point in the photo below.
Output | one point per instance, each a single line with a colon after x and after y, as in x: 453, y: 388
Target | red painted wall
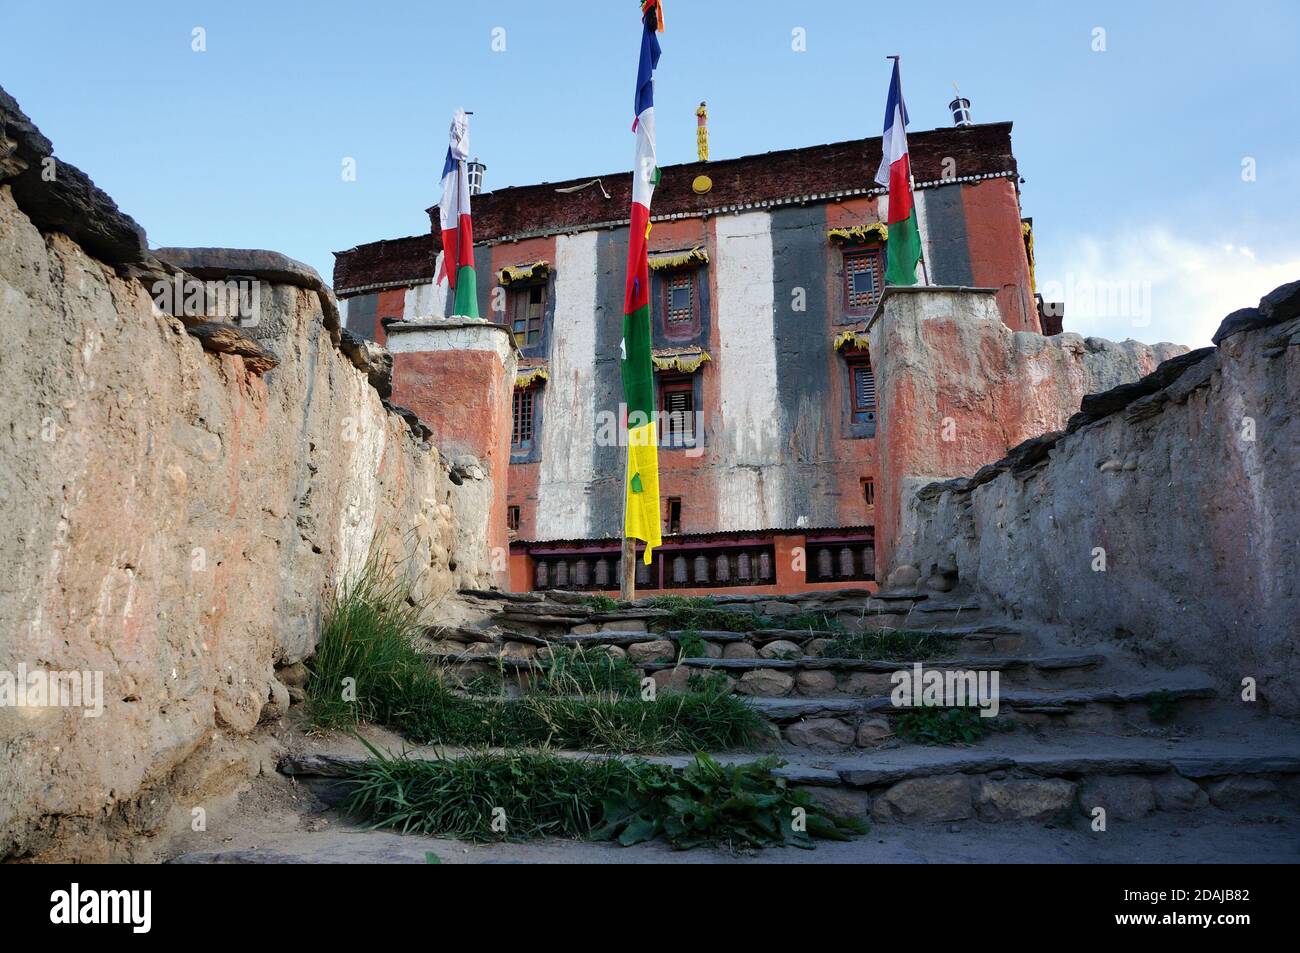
x: 464, y: 398
x: 997, y: 250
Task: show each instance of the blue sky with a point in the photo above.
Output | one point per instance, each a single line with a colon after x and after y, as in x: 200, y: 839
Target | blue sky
x: 1132, y: 156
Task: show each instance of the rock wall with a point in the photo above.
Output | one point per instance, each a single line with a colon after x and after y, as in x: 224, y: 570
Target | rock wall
x: 1184, y: 483
x: 956, y: 388
x: 179, y: 498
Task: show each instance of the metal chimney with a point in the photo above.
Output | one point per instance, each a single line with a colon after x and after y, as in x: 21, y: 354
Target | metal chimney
x: 476, y: 170
x: 960, y: 108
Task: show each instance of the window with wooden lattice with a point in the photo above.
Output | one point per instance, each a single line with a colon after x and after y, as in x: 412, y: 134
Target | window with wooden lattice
x: 863, y: 279
x: 679, y: 303
x: 521, y: 436
x: 528, y: 313
x: 677, y: 412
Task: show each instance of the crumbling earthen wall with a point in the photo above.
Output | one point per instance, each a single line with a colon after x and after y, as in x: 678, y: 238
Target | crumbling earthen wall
x: 1164, y: 518
x: 956, y: 388
x: 175, y: 516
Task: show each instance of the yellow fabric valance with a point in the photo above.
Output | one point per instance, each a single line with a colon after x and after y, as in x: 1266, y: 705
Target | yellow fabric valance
x: 513, y: 274
x: 687, y: 362
x: 854, y: 338
x: 681, y: 259
x: 856, y: 234
x: 528, y: 376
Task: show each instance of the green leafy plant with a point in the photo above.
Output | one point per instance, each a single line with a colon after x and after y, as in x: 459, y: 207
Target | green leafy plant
x: 627, y: 801
x: 942, y: 726
x: 708, y: 803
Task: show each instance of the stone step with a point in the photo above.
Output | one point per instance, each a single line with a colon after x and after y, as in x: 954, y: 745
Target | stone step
x: 815, y: 676
x: 1053, y: 663
x: 1024, y: 701
x: 1004, y: 779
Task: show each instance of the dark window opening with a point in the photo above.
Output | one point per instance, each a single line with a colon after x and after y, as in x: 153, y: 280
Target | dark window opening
x: 521, y: 437
x: 674, y: 515
x: 512, y: 518
x: 862, y: 380
x: 869, y: 491
x: 677, y: 415
x: 527, y: 313
x: 862, y: 280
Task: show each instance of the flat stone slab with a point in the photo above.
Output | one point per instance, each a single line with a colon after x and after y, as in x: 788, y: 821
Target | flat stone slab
x: 813, y: 663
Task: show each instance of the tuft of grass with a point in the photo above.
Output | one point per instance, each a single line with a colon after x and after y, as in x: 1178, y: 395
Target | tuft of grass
x: 367, y: 637
x: 687, y: 721
x: 942, y: 726
x: 705, y: 681
x: 601, y: 603
x: 808, y: 621
x: 572, y: 670
x: 690, y: 644
x: 894, y: 645
x: 696, y: 613
x: 525, y: 795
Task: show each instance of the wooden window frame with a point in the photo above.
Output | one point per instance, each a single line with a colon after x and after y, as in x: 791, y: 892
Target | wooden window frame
x: 869, y: 492
x: 521, y: 322
x: 517, y: 442
x: 673, y: 527
x: 512, y: 518
x: 679, y: 330
x: 687, y: 437
x: 861, y: 251
x: 859, y: 411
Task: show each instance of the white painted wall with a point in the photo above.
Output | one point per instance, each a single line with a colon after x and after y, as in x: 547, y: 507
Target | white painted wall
x: 425, y: 301
x: 747, y: 433
x: 568, y: 435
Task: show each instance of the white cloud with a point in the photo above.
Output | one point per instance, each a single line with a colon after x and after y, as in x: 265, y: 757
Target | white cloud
x: 1154, y: 286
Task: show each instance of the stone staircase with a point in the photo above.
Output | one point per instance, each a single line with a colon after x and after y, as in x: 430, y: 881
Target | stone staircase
x: 1077, y: 727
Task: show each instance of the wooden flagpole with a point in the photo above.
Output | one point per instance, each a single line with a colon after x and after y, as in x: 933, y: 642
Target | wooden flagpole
x: 627, y: 586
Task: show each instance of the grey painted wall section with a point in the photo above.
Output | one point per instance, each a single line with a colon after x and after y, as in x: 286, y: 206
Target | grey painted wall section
x: 949, y: 255
x: 606, y: 507
x: 802, y: 383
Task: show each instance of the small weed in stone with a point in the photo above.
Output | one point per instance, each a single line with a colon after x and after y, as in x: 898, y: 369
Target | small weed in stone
x: 942, y: 726
x: 894, y: 645
x: 690, y: 644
